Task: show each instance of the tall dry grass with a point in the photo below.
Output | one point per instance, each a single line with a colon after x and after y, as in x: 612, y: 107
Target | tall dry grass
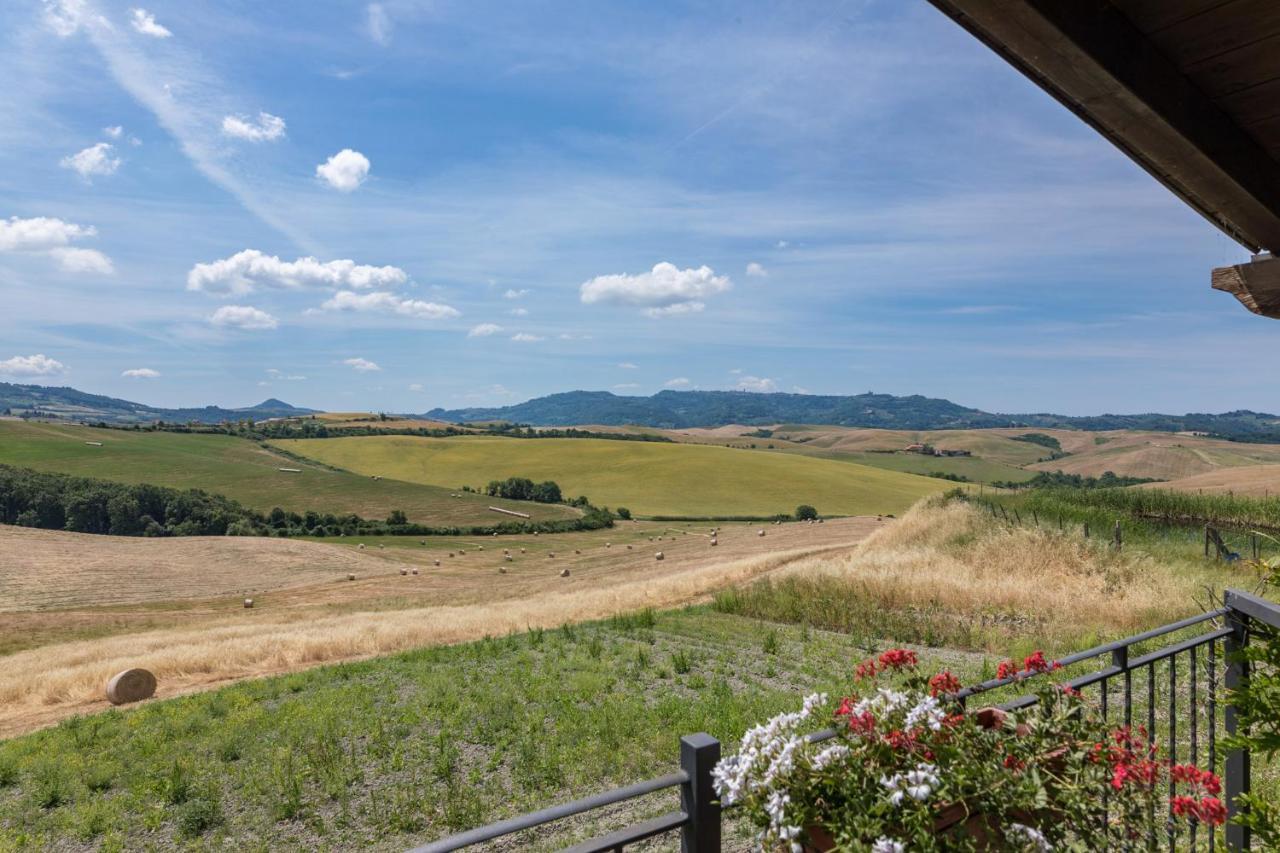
x: 40, y: 686
x: 947, y: 563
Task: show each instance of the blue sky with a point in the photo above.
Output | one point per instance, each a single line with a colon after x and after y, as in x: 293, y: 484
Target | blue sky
x: 418, y: 203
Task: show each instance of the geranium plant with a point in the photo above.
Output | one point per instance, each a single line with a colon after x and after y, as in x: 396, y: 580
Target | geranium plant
x: 906, y: 770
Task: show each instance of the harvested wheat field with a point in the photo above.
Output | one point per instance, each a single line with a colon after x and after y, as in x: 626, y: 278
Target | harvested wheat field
x: 1258, y: 481
x: 48, y: 569
x: 197, y: 643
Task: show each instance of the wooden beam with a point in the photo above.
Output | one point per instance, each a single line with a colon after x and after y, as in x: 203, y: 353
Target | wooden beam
x: 1255, y: 284
x: 1098, y: 64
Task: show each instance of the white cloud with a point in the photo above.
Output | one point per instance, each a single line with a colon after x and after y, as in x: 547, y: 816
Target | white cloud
x: 626, y: 386
x: 664, y: 291
x: 626, y: 365
x: 82, y: 260
x: 280, y: 374
x: 145, y: 23
x: 243, y: 317
x: 388, y: 303
x: 39, y: 233
x: 484, y: 330
x: 758, y: 384
x: 678, y: 382
x: 782, y: 244
x: 676, y: 310
x: 526, y: 338
x: 515, y: 294
x: 361, y: 364
x: 345, y: 170
x: 244, y: 271
x: 114, y: 132
x: 757, y: 270
x: 416, y: 386
x: 94, y: 160
x: 31, y: 365
x: 266, y: 128
x: 378, y: 23
x: 519, y: 312
x: 141, y: 373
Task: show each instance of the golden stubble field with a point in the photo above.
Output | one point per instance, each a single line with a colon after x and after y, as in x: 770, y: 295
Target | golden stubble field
x: 75, y: 609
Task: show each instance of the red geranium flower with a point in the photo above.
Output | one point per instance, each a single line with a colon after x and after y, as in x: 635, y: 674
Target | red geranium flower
x: 943, y: 682
x: 899, y: 659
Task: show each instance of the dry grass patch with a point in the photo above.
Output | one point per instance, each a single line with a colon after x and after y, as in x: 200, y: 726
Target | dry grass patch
x: 946, y: 574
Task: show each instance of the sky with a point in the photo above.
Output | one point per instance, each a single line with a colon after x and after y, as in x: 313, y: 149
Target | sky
x: 405, y: 204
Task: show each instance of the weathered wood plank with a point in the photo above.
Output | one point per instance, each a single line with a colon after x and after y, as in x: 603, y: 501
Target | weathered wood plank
x: 1257, y: 103
x: 1219, y: 31
x: 1255, y: 284
x: 1152, y: 15
x: 1238, y: 70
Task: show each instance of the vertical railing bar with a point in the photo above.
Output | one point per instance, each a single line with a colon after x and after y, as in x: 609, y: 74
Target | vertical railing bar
x: 1105, y: 685
x: 1151, y: 737
x: 1213, y: 725
x: 1193, y: 751
x: 1173, y: 742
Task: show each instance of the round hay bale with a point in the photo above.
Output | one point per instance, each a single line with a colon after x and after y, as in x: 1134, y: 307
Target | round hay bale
x: 404, y: 573
x: 381, y: 546
x: 361, y: 546
x: 535, y: 533
x: 714, y: 543
x: 481, y: 547
x: 248, y: 604
x: 760, y: 532
x: 351, y: 576
x: 437, y: 562
x: 628, y: 547
x: 132, y: 685
x: 502, y: 570
x: 422, y: 542
x: 508, y: 558
x: 576, y: 551
x: 521, y: 550
x: 564, y: 573
x: 551, y: 555
x: 495, y: 533
x: 414, y: 570
x: 608, y: 544
x: 450, y: 553
x: 658, y: 556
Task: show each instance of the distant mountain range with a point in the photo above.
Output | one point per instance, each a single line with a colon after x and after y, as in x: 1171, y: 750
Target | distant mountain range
x: 77, y: 405
x: 667, y: 410
x: 683, y: 409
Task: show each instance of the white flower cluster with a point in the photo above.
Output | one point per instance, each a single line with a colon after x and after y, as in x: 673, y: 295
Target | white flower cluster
x: 1033, y: 837
x: 884, y: 702
x: 928, y: 712
x: 888, y: 845
x: 767, y: 754
x: 917, y: 784
x: 831, y: 755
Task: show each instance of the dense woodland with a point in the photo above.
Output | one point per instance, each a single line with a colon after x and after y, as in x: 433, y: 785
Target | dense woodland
x: 84, y: 505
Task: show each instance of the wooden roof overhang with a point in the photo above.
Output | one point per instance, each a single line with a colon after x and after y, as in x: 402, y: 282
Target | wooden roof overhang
x: 1189, y: 89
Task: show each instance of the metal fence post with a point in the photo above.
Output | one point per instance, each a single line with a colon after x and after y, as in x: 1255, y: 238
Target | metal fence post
x: 699, y: 755
x: 1237, y: 770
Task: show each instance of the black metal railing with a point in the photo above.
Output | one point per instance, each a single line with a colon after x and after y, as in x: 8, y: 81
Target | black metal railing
x: 1168, y: 679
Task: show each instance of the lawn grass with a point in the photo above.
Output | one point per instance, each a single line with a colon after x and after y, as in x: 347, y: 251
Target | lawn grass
x: 647, y: 478
x: 244, y: 471
x: 395, y: 751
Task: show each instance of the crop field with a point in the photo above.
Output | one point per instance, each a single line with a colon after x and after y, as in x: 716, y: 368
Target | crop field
x: 242, y: 470
x: 648, y: 478
x: 1259, y: 481
x: 80, y: 607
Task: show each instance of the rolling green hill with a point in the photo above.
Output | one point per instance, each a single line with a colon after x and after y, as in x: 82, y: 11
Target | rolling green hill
x: 241, y: 470
x: 650, y: 479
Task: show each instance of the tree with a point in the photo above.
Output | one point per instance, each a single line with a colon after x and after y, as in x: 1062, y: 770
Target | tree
x: 804, y: 512
x: 397, y: 517
x: 624, y: 513
x: 547, y: 492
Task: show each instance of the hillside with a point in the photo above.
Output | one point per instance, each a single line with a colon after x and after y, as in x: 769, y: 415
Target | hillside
x: 648, y: 478
x: 685, y: 409
x: 77, y: 405
x: 242, y: 470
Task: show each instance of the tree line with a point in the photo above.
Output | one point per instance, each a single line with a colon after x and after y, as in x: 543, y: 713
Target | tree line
x: 49, y: 501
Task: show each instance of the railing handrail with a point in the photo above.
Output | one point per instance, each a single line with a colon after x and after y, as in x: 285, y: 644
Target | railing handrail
x: 700, y: 752
x: 553, y: 813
